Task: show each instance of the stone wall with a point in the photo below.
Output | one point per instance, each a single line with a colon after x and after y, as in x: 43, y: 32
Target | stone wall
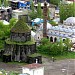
x: 19, y: 52
x: 20, y: 37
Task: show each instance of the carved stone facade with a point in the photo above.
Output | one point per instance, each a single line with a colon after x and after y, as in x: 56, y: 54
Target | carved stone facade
x: 19, y: 52
x: 20, y: 37
x: 19, y: 45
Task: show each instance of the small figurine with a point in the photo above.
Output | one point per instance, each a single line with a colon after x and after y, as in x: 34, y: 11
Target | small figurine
x: 53, y: 59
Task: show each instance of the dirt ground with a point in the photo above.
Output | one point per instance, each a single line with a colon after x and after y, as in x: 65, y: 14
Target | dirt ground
x: 61, y: 67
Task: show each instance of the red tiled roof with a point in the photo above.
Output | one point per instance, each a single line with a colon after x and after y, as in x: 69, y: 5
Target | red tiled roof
x: 33, y: 66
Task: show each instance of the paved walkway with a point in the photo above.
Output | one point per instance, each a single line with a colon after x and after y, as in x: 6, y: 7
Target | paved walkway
x: 61, y: 67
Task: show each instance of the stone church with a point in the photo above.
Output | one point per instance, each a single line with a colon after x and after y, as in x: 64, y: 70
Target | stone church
x: 20, y: 44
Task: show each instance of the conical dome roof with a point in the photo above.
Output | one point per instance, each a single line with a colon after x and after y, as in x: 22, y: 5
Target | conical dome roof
x: 20, y: 27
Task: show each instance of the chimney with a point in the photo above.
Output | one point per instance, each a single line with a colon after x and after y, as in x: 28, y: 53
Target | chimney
x: 45, y: 10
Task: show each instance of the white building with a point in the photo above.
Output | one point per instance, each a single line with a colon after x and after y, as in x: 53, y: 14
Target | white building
x: 17, y: 12
x: 66, y: 30
x: 54, y: 33
x: 33, y: 69
x: 39, y: 32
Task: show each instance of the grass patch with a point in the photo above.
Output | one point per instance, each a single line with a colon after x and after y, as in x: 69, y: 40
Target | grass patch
x: 8, y: 41
x: 69, y: 55
x: 17, y: 63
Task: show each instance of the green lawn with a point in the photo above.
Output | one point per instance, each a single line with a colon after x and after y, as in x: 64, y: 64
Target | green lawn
x: 69, y: 55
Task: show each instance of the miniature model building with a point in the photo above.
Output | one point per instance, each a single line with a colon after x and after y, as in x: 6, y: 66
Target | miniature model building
x: 20, y: 44
x: 33, y: 69
x: 16, y: 4
x: 5, y: 13
x: 65, y: 30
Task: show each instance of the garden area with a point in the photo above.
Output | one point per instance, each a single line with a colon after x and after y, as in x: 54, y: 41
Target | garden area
x: 59, y: 49
x: 5, y: 31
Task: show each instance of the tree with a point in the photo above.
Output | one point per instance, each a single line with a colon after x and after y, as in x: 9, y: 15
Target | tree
x: 57, y: 48
x: 32, y: 7
x: 61, y: 46
x: 48, y: 48
x: 66, y: 10
x: 45, y: 41
x: 55, y: 2
x: 39, y: 11
x: 54, y: 49
x: 5, y: 3
x: 44, y: 47
x: 68, y: 44
x: 4, y: 30
x: 12, y: 22
x: 33, y: 13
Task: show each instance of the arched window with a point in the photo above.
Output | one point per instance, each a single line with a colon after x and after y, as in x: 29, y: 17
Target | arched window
x: 63, y: 39
x: 47, y: 37
x: 51, y: 39
x: 55, y: 39
x: 38, y: 37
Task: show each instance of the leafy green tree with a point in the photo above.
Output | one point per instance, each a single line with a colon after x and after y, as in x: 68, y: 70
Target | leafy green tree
x: 57, y: 48
x: 33, y: 13
x: 12, y: 22
x: 32, y: 7
x: 44, y: 41
x: 4, y: 32
x: 61, y: 46
x: 66, y: 10
x: 54, y: 49
x: 44, y: 47
x: 39, y: 11
x: 6, y: 3
x: 55, y: 2
x: 68, y: 44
